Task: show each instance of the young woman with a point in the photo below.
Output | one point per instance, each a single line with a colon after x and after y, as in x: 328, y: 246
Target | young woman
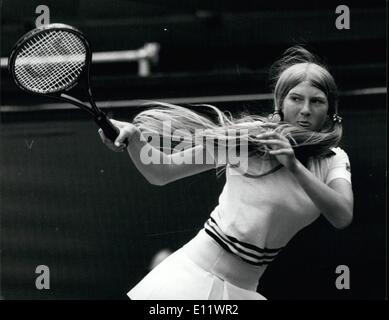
x: 295, y: 172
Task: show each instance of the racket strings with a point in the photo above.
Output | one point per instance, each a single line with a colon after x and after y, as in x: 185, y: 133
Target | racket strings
x: 50, y: 58
x: 50, y: 62
x: 47, y: 63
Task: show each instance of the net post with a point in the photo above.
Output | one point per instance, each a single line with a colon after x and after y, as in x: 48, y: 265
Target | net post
x: 143, y: 67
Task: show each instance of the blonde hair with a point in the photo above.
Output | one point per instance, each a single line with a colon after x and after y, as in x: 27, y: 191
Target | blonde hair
x: 298, y: 65
x: 294, y: 67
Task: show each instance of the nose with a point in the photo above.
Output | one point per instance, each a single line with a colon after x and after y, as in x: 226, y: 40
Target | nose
x: 305, y: 111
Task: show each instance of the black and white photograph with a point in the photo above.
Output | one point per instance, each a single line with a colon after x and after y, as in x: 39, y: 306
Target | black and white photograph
x: 193, y: 150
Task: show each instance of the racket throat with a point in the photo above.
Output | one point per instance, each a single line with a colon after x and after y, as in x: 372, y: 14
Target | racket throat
x: 75, y: 101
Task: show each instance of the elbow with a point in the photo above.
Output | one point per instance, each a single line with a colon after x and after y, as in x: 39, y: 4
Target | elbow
x: 345, y: 222
x: 156, y: 181
x: 343, y: 225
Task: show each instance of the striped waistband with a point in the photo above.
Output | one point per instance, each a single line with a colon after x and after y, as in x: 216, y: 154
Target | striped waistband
x: 206, y: 253
x: 247, y: 252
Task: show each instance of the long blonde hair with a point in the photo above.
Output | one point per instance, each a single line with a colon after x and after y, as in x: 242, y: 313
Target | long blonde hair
x: 295, y: 66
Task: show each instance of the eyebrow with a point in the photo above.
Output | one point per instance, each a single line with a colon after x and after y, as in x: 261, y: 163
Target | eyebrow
x: 313, y: 97
x: 319, y: 97
x: 296, y: 94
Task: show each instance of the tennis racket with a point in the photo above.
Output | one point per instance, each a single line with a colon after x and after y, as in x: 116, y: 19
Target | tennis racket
x: 51, y: 60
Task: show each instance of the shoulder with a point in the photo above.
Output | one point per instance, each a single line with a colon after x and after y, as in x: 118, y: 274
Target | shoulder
x: 338, y: 165
x: 335, y: 157
x: 339, y: 152
x: 335, y: 164
x: 339, y: 156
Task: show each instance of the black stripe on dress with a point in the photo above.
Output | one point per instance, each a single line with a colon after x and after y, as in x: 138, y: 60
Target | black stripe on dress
x: 241, y: 250
x: 249, y: 245
x: 224, y: 246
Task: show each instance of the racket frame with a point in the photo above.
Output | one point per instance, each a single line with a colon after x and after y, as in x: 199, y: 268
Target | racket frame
x: 83, y: 78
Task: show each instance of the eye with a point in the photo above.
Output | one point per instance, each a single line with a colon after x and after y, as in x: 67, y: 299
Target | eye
x: 318, y: 101
x: 296, y: 99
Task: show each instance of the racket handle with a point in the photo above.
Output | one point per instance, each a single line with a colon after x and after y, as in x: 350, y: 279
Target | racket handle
x: 110, y: 131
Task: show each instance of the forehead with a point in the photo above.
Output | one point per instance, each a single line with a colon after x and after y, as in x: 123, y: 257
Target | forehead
x: 306, y: 88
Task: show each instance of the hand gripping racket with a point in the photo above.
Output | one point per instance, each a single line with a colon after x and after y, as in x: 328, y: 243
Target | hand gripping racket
x: 51, y: 60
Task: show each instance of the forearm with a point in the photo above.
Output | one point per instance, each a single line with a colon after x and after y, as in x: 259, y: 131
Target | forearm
x: 160, y: 168
x: 151, y: 171
x: 334, y: 206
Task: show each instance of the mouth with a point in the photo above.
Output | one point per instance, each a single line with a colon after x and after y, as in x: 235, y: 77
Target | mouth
x: 304, y: 124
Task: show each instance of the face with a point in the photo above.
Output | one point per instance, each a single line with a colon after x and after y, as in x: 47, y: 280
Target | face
x: 305, y: 106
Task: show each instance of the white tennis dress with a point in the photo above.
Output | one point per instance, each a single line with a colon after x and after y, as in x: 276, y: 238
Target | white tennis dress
x: 255, y: 218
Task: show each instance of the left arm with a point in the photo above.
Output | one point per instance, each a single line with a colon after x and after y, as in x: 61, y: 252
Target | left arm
x: 335, y: 200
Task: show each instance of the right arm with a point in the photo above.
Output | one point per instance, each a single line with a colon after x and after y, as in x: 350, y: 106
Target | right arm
x: 169, y: 167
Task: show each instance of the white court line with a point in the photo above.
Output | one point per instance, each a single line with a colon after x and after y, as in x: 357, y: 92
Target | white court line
x: 185, y: 100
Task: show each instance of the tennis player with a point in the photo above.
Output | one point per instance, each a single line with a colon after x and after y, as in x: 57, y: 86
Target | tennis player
x: 296, y: 172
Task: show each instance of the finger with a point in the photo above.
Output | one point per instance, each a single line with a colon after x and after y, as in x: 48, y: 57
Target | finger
x: 102, y: 136
x: 258, y: 123
x: 272, y: 134
x: 274, y: 145
x: 281, y: 151
x: 108, y: 142
x: 275, y: 142
x: 269, y: 124
x: 119, y: 124
x: 123, y: 135
x: 268, y: 134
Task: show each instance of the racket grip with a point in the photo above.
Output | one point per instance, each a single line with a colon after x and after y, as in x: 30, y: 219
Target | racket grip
x: 110, y: 131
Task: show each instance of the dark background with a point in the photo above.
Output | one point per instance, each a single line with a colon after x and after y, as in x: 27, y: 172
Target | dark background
x: 69, y: 203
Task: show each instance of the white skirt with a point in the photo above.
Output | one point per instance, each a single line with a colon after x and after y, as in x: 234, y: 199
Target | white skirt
x: 200, y: 270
